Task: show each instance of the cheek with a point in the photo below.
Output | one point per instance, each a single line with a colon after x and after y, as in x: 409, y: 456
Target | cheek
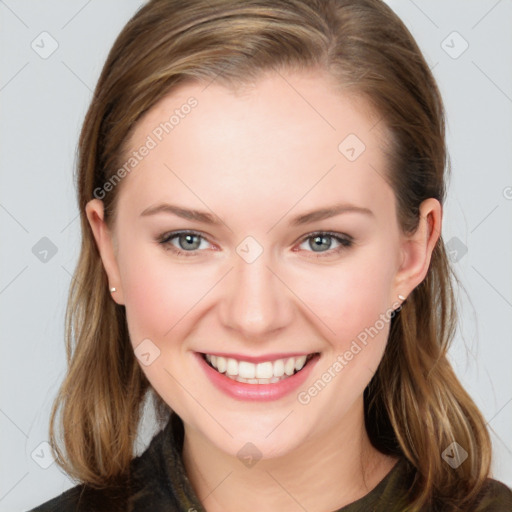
x: 158, y: 294
x: 342, y: 300
x: 352, y: 303
x: 159, y: 298
x: 349, y: 297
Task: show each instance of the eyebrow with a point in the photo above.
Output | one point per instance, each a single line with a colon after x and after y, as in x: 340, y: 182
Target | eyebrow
x: 305, y: 218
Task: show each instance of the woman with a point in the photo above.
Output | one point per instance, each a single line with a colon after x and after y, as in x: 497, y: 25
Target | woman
x: 261, y: 187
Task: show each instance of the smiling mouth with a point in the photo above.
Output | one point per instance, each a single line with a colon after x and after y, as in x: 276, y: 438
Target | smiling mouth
x: 266, y: 372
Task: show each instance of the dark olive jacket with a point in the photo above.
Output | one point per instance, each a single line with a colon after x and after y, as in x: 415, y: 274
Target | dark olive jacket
x: 158, y: 483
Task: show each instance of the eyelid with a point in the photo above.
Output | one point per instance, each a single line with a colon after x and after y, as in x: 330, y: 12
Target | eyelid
x: 332, y: 234
x: 166, y: 238
x: 345, y: 241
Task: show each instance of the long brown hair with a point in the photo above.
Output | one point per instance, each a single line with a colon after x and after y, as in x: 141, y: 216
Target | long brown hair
x: 414, y: 406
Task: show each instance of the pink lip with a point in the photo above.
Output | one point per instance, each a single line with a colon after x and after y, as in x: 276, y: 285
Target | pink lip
x: 258, y: 359
x: 256, y: 392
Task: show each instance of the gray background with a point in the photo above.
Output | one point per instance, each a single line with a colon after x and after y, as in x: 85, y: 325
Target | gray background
x: 44, y: 99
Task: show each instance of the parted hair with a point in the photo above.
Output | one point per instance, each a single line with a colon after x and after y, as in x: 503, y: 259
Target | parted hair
x: 415, y: 406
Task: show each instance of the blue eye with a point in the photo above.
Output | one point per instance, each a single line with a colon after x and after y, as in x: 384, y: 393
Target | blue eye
x: 323, y: 239
x: 189, y: 243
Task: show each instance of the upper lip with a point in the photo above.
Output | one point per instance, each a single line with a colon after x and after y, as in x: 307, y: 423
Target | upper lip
x: 258, y: 359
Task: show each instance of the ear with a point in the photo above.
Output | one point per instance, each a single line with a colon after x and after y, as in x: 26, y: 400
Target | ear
x: 105, y: 242
x: 416, y: 249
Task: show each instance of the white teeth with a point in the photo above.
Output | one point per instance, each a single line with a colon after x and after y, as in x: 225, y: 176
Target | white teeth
x: 289, y: 366
x: 278, y: 368
x: 221, y: 364
x: 264, y: 370
x: 300, y: 362
x: 246, y: 370
x: 259, y: 373
x: 232, y: 367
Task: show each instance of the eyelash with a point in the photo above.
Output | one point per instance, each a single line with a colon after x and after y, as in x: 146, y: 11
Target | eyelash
x: 345, y: 242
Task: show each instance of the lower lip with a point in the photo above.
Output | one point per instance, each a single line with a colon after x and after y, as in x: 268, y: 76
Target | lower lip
x: 258, y: 392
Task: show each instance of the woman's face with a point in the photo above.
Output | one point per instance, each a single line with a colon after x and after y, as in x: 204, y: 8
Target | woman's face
x: 267, y: 279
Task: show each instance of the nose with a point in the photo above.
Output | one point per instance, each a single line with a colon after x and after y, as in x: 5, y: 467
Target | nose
x: 257, y: 303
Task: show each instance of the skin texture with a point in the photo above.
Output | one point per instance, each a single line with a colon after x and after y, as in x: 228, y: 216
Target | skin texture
x: 257, y: 158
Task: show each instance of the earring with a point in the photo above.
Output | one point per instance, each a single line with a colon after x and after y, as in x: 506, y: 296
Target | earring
x: 113, y: 289
x: 401, y: 297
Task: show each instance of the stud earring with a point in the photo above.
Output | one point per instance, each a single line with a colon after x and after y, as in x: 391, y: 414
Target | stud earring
x: 113, y: 289
x: 401, y: 297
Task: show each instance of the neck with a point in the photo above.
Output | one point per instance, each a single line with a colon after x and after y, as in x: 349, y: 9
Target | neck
x: 326, y: 472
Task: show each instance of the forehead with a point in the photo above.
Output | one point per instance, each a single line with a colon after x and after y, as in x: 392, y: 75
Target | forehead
x: 289, y: 137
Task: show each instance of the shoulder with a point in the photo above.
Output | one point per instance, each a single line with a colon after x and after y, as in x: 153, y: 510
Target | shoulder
x: 143, y: 482
x: 64, y: 503
x: 113, y: 498
x: 494, y: 497
x: 81, y: 497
